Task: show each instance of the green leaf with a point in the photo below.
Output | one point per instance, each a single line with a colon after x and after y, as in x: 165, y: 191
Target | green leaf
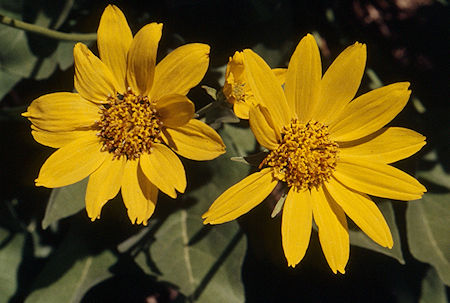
x: 359, y: 238
x: 436, y: 175
x: 205, y: 261
x: 17, y: 58
x: 428, y: 231
x: 71, y: 271
x: 64, y: 54
x: 433, y: 290
x: 64, y: 202
x: 11, y: 246
x: 32, y: 56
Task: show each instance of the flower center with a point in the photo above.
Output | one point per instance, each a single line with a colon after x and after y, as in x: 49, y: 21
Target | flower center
x: 238, y: 91
x: 129, y: 125
x: 306, y: 156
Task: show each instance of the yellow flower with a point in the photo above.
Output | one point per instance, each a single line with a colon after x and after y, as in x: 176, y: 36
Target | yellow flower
x: 329, y: 151
x: 236, y: 88
x: 127, y: 117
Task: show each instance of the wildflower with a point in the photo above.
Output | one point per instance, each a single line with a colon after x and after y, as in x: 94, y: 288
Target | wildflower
x: 330, y: 152
x: 236, y: 88
x: 127, y: 118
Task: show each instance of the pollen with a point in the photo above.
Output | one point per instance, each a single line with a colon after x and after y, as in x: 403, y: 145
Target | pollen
x: 129, y: 125
x: 306, y: 156
x: 238, y: 91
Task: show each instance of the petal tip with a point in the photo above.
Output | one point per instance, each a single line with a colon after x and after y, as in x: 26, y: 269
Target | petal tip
x: 206, y: 222
x: 309, y: 38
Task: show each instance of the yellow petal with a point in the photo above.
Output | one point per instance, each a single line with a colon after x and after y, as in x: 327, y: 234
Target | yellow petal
x: 104, y: 184
x: 195, y: 141
x: 265, y: 131
x: 73, y: 162
x: 142, y: 58
x: 55, y: 139
x: 378, y: 179
x: 266, y: 88
x: 296, y: 225
x: 164, y: 169
x: 138, y: 193
x: 113, y: 40
x: 62, y: 112
x: 370, y: 112
x: 175, y: 110
x: 340, y: 83
x: 241, y: 109
x: 181, y: 70
x: 360, y: 208
x: 241, y: 197
x: 93, y: 79
x: 234, y: 87
x: 303, y: 79
x: 388, y: 145
x: 333, y: 231
x: 280, y: 74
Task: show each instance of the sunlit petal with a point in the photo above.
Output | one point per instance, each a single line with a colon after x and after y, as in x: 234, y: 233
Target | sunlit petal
x: 370, y: 112
x: 55, y: 139
x: 378, y: 179
x: 164, y: 169
x: 72, y: 162
x: 360, y: 208
x: 340, y: 83
x: 241, y: 197
x: 139, y: 194
x: 93, y: 79
x: 333, y: 230
x: 142, y: 58
x: 104, y: 184
x: 195, y: 140
x: 296, y: 225
x: 180, y: 70
x: 387, y: 145
x: 113, y: 40
x: 266, y: 88
x: 303, y: 79
x: 263, y: 127
x: 62, y: 112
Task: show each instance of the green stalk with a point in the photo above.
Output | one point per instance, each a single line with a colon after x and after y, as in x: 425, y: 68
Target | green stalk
x: 43, y: 31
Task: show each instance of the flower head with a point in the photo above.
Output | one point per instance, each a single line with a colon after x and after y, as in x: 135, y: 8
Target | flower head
x: 330, y: 151
x: 236, y: 88
x: 127, y: 118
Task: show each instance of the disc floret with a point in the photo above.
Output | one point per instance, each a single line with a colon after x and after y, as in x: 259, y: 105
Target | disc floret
x: 129, y: 125
x: 306, y: 156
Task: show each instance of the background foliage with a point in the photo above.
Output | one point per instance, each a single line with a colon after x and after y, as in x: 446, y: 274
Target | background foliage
x: 51, y: 252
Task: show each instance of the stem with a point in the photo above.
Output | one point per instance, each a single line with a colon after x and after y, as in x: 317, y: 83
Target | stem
x: 39, y: 30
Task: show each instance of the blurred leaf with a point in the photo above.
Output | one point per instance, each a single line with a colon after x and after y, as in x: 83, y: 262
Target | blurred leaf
x: 64, y: 202
x: 71, y: 271
x: 436, y: 175
x: 428, y: 231
x: 205, y: 261
x: 28, y: 55
x: 17, y: 58
x: 359, y: 238
x: 11, y: 246
x: 7, y: 82
x: 64, y: 54
x: 433, y: 290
